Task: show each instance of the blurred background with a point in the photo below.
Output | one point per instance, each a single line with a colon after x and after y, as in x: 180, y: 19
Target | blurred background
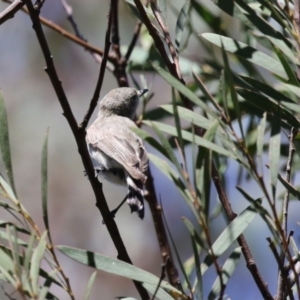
x: 32, y: 107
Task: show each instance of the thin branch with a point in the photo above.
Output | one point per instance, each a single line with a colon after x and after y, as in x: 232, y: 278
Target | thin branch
x: 281, y: 275
x: 166, y: 33
x: 282, y: 270
x: 79, y: 134
x: 11, y: 10
x: 135, y: 36
x: 115, y: 37
x: 96, y: 95
x: 66, y: 34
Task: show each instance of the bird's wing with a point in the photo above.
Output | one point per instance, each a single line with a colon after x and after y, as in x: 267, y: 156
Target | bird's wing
x: 115, y: 144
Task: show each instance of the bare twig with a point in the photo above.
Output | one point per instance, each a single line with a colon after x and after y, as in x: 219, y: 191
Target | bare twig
x: 135, y: 36
x: 9, y: 12
x: 79, y: 134
x: 66, y: 33
x: 96, y: 95
x: 281, y: 267
x: 281, y: 275
x: 166, y: 33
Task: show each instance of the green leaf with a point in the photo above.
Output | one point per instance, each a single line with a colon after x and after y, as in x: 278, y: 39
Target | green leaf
x: 268, y: 105
x: 114, y: 266
x: 189, y: 116
x: 181, y: 88
x: 44, y: 293
x: 280, y: 44
x: 193, y: 233
x: 181, y: 22
x: 274, y: 151
x: 289, y: 71
x: 229, y: 235
x: 36, y: 259
x: 260, y: 139
x: 6, y: 236
x: 165, y: 168
x: 90, y: 285
x: 234, y: 98
x: 45, y: 183
x: 4, y: 143
x: 227, y: 271
x: 256, y: 85
x: 199, y: 283
x: 177, y: 123
x: 5, y: 187
x: 189, y: 137
x: 6, y: 262
x: 166, y: 145
x: 245, y: 51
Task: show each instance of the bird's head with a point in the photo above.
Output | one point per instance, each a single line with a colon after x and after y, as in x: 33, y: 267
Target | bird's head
x: 121, y: 102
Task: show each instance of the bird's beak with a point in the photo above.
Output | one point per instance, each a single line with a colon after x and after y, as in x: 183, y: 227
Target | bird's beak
x: 142, y: 92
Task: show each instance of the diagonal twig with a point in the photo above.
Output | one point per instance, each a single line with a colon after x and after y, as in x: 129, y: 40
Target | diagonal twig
x: 10, y: 11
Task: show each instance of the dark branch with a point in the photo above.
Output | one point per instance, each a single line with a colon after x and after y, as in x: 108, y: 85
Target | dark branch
x: 96, y: 95
x: 79, y: 134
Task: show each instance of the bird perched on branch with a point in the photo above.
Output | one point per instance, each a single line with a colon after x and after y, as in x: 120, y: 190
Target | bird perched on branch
x: 118, y: 154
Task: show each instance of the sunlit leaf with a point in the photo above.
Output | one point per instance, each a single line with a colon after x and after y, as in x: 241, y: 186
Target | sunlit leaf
x: 247, y: 52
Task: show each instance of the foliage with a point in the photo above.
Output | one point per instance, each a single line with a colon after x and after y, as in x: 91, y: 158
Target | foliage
x: 252, y: 103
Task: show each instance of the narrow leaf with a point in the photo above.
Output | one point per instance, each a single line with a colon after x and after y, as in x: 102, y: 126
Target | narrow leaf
x: 36, y: 259
x: 180, y: 24
x: 260, y: 139
x: 245, y: 51
x: 180, y: 87
x: 227, y: 271
x: 45, y: 183
x: 234, y: 98
x: 289, y: 71
x: 189, y: 137
x: 199, y: 283
x: 229, y: 235
x: 4, y: 142
x: 89, y: 286
x: 113, y: 266
x: 274, y: 151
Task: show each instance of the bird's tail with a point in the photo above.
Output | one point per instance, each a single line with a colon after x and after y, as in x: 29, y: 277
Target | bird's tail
x: 135, y: 198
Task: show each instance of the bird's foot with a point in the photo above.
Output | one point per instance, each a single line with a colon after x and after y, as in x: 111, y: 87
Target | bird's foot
x: 114, y: 211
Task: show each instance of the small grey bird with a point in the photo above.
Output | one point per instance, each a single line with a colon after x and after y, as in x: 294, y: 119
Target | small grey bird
x: 117, y: 153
